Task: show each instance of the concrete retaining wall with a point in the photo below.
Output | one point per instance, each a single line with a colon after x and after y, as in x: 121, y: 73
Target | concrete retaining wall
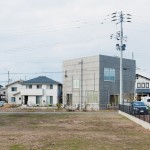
x: 144, y: 124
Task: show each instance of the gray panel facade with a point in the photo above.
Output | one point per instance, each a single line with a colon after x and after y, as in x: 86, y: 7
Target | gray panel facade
x: 109, y: 90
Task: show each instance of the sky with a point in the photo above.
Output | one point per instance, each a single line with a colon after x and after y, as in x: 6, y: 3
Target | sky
x: 37, y: 35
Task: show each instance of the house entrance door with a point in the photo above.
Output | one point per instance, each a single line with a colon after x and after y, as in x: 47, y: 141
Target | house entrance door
x: 114, y: 100
x: 69, y: 99
x: 25, y: 100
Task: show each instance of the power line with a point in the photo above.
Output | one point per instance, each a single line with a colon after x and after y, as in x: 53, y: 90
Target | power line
x: 77, y: 24
x: 57, y: 44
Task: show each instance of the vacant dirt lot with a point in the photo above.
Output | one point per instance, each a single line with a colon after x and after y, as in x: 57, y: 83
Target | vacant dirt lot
x: 71, y: 131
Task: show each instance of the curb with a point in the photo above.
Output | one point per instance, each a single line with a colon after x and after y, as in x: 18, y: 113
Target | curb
x: 144, y: 124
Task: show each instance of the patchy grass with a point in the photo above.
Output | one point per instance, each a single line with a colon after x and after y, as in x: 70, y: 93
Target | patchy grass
x: 72, y: 131
x: 17, y: 147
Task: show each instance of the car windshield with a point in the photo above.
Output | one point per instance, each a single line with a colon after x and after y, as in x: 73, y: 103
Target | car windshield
x: 138, y: 104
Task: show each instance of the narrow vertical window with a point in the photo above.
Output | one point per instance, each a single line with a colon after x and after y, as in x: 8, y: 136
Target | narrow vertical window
x: 13, y: 99
x: 147, y: 85
x: 51, y: 86
x: 138, y: 85
x: 143, y: 85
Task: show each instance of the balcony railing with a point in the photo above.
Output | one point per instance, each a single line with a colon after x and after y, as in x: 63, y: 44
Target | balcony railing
x: 34, y: 92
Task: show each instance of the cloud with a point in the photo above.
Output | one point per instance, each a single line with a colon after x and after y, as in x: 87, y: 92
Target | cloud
x: 36, y: 35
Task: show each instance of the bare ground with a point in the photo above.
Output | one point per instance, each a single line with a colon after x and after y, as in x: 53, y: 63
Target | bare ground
x: 71, y: 131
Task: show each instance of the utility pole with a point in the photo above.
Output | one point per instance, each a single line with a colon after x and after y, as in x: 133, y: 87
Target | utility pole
x: 81, y: 84
x: 121, y: 47
x: 8, y: 77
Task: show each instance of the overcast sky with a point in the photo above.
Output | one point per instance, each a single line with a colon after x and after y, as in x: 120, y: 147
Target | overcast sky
x: 37, y: 35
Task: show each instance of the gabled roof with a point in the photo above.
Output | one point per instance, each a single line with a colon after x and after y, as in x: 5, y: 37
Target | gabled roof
x: 138, y: 75
x: 18, y: 81
x: 41, y: 80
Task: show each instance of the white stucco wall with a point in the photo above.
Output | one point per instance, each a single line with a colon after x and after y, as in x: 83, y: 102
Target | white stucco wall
x: 16, y: 94
x: 44, y: 92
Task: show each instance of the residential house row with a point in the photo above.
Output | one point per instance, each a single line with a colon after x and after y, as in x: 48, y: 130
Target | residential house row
x: 92, y: 82
x: 40, y: 91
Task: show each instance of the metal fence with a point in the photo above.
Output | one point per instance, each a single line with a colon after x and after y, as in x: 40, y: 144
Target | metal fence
x: 127, y: 109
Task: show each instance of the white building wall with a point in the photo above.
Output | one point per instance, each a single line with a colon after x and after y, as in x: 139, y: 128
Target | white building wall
x: 23, y: 91
x: 44, y: 92
x: 31, y: 100
x: 16, y: 94
x: 36, y: 92
x: 142, y: 82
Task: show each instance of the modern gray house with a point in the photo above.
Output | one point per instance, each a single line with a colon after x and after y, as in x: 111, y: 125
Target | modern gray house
x: 94, y: 82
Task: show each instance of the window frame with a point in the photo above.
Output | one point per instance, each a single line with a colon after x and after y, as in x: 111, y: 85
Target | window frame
x: 38, y: 100
x: 143, y: 85
x: 138, y: 85
x: 13, y: 89
x: 51, y: 86
x: 49, y: 100
x: 39, y: 86
x: 13, y: 99
x: 76, y: 83
x: 28, y: 86
x: 109, y: 74
x: 147, y: 84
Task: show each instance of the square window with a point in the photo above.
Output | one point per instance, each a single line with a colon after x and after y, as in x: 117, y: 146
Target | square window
x: 13, y: 99
x: 14, y: 89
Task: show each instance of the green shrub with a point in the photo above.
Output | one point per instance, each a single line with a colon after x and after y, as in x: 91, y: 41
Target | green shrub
x: 59, y: 106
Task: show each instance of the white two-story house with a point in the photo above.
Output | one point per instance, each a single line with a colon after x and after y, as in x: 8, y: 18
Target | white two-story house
x: 40, y: 91
x: 142, y: 86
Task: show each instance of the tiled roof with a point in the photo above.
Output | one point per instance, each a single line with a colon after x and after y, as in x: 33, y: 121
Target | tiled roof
x: 41, y: 80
